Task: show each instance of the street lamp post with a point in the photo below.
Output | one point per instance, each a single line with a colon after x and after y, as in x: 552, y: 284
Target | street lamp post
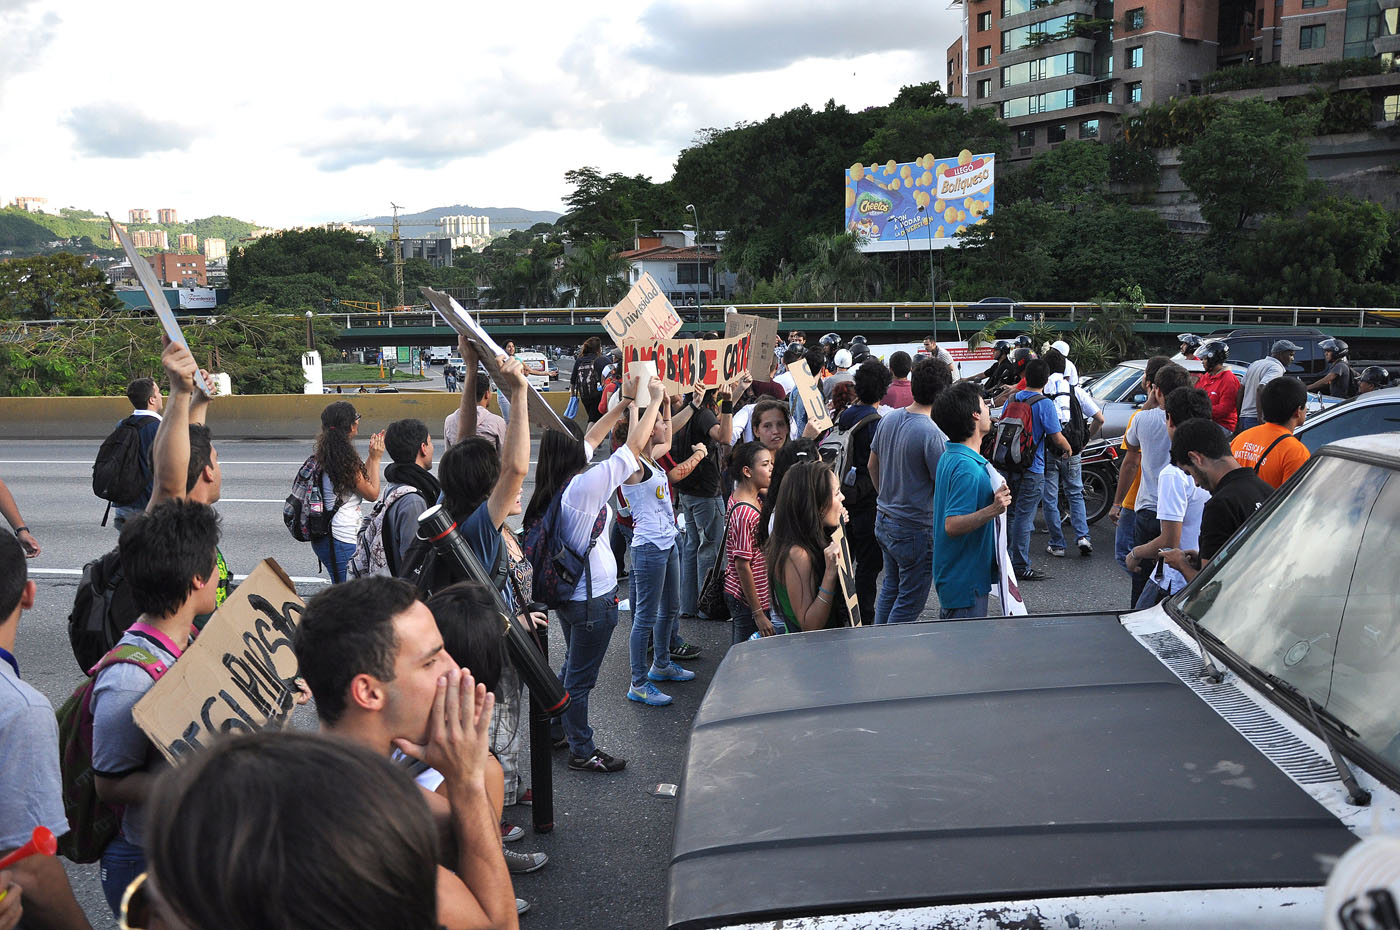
x: 932, y: 287
x: 691, y: 208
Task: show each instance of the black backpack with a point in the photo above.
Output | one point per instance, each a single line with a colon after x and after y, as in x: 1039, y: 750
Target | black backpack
x: 1076, y: 429
x: 121, y: 472
x: 102, y: 610
x: 590, y: 392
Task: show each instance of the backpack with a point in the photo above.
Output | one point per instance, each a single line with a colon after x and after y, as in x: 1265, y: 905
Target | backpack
x: 305, y: 511
x: 589, y: 390
x: 102, y: 609
x: 371, y: 555
x: 121, y: 472
x: 93, y: 823
x: 1076, y: 429
x: 835, y: 449
x: 557, y: 567
x: 1011, y: 445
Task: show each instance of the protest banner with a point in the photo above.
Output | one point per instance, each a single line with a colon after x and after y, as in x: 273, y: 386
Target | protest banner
x: 488, y: 351
x: 239, y: 675
x: 810, y: 391
x: 845, y: 570
x: 684, y: 365
x: 643, y: 314
x: 764, y: 333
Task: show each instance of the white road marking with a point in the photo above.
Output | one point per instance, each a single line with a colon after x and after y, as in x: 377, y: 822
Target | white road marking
x: 252, y: 500
x: 73, y: 572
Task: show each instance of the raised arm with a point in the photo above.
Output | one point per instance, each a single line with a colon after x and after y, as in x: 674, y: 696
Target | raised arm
x: 170, y: 453
x: 515, y: 449
x: 466, y: 409
x: 368, y: 484
x: 599, y: 431
x: 640, y: 434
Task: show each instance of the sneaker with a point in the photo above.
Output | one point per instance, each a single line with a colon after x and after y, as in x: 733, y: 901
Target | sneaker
x: 1086, y: 548
x: 598, y: 762
x: 519, y: 863
x: 649, y: 695
x: 510, y: 832
x: 521, y: 906
x: 685, y: 651
x: 672, y: 672
x: 1032, y: 574
x: 529, y: 796
x: 1057, y: 551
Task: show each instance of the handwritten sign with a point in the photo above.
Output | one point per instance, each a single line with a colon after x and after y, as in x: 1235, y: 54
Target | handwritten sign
x: 686, y: 365
x: 846, y: 572
x: 811, y: 393
x: 764, y: 332
x: 239, y: 676
x: 644, y: 314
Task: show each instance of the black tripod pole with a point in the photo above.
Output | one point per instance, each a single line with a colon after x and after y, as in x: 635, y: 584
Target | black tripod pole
x: 541, y: 759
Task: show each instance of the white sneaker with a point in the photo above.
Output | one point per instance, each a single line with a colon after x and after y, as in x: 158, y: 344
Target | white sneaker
x: 1057, y: 551
x: 1086, y: 548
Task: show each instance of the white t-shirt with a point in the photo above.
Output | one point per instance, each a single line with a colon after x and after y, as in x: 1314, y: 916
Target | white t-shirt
x: 1058, y: 387
x: 345, y: 522
x: 788, y: 382
x: 1148, y: 433
x: 1256, y: 376
x: 1181, y: 501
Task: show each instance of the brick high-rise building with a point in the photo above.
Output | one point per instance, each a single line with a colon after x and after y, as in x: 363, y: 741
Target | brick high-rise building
x: 138, y: 215
x: 166, y: 216
x: 188, y: 242
x: 215, y: 249
x: 150, y: 239
x: 113, y: 231
x: 176, y: 270
x: 957, y: 67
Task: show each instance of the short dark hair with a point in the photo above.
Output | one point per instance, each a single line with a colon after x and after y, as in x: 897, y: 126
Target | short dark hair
x: 872, y: 380
x: 1281, y: 398
x: 1037, y: 373
x: 1170, y: 377
x: 816, y: 361
x: 140, y: 392
x: 348, y: 630
x: 467, y: 472
x: 900, y: 364
x: 955, y: 408
x: 201, y: 454
x: 14, y: 573
x: 1055, y: 360
x: 1202, y: 436
x: 1187, y: 403
x: 404, y: 438
x: 928, y: 377
x: 483, y: 384
x: 1154, y: 365
x: 164, y: 550
x: 470, y: 625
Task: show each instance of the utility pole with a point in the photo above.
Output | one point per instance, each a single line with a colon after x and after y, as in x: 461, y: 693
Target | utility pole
x: 694, y: 213
x: 398, y: 253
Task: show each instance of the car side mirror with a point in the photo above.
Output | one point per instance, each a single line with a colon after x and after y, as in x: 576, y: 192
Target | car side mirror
x: 1139, y: 398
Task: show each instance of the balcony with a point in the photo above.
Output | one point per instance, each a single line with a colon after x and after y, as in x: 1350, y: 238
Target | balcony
x: 1051, y: 10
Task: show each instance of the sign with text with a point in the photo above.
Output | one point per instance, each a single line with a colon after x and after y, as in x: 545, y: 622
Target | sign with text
x: 810, y: 391
x: 923, y: 204
x: 765, y: 337
x: 238, y: 676
x: 846, y: 572
x: 644, y: 314
x: 686, y: 365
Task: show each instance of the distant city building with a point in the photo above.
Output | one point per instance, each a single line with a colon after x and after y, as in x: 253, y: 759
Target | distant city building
x: 216, y: 272
x: 176, y: 270
x: 465, y: 225
x: 957, y: 68
x: 31, y: 204
x: 150, y: 239
x: 137, y: 215
x: 262, y: 231
x: 438, y: 252
x: 683, y: 270
x: 121, y: 273
x: 166, y: 216
x: 189, y: 242
x: 348, y: 227
x: 215, y: 249
x: 112, y: 231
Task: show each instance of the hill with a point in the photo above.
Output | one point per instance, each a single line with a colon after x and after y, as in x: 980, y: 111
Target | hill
x: 84, y: 231
x: 424, y: 223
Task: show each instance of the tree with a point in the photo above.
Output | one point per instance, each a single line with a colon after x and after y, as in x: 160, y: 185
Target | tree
x: 837, y: 270
x: 58, y: 286
x: 597, y: 274
x: 1073, y: 174
x: 299, y: 269
x: 604, y: 206
x: 1250, y: 160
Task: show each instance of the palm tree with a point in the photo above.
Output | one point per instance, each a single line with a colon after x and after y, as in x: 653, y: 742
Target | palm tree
x: 838, y: 270
x: 597, y: 274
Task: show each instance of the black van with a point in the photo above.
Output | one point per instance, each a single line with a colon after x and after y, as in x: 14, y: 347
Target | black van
x: 1250, y: 345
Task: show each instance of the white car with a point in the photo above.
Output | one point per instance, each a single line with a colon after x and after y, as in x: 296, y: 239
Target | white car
x: 536, y: 369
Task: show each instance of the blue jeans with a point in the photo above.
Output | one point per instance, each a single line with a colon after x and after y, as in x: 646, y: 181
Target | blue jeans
x: 585, y: 643
x: 1026, y: 494
x: 978, y: 609
x: 1065, y: 470
x: 121, y: 863
x: 1244, y: 423
x: 1123, y: 537
x: 1150, y: 595
x: 336, y: 563
x: 1145, y: 528
x: 655, y: 578
x: 700, y: 542
x: 908, y: 551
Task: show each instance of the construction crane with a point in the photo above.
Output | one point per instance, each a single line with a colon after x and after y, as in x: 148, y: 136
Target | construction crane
x: 398, y: 254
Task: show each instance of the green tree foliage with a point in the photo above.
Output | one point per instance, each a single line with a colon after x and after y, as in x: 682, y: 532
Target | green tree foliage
x: 604, y: 206
x: 524, y: 276
x: 596, y: 273
x: 1250, y: 160
x: 299, y: 270
x: 57, y: 286
x: 1072, y: 174
x: 30, y: 233
x: 836, y: 270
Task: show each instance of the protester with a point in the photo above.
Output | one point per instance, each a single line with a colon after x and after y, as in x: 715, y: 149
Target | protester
x: 1064, y: 470
x: 1257, y: 375
x: 840, y: 368
x: 29, y: 766
x: 1071, y: 371
x: 585, y: 383
x: 1180, y: 502
x: 409, y: 488
x: 793, y: 353
x: 898, y: 394
x: 1372, y: 378
x: 10, y: 511
x: 746, y: 573
x: 793, y: 453
x: 146, y: 406
x: 1236, y: 492
x: 844, y: 396
x: 872, y: 380
x: 348, y: 479
x: 169, y: 554
x: 934, y: 350
x: 511, y: 353
x: 591, y: 614
x: 1220, y: 383
x: 799, y: 337
x: 771, y: 423
x: 965, y: 507
x: 698, y: 495
x: 382, y: 678
x: 1028, y: 487
x: 1122, y: 512
x: 802, y: 559
x: 1271, y: 449
x: 903, y: 462
x: 1338, y: 381
x: 816, y: 364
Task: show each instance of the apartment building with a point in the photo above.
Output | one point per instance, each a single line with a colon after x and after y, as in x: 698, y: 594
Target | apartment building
x: 215, y: 249
x: 188, y: 242
x: 138, y: 215
x: 176, y: 270
x: 167, y: 216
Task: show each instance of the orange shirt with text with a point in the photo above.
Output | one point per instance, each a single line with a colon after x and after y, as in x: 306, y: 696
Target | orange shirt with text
x: 1286, y: 457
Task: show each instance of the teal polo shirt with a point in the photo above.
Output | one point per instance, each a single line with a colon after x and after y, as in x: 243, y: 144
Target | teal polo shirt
x: 964, y: 567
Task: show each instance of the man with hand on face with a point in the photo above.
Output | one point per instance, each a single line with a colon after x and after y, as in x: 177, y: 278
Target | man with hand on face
x: 375, y: 661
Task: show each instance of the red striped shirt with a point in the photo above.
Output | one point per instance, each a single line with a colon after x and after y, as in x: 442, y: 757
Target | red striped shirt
x: 739, y: 544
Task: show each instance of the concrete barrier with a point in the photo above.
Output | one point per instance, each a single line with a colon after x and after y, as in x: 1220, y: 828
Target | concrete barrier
x: 241, y: 416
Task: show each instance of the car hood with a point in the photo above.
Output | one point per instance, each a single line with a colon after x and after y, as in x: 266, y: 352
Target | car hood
x: 962, y: 761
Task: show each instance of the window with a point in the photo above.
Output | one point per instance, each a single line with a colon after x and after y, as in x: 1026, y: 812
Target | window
x: 984, y: 21
x: 1356, y: 421
x: 1390, y: 107
x: 1055, y: 132
x: 1312, y: 36
x: 950, y: 68
x: 1042, y: 68
x: 1038, y: 33
x: 1135, y: 19
x: 1025, y: 138
x: 685, y: 273
x: 1135, y: 92
x: 1012, y: 7
x: 1310, y: 4
x: 1135, y: 57
x: 984, y: 55
x: 984, y: 88
x: 1088, y: 129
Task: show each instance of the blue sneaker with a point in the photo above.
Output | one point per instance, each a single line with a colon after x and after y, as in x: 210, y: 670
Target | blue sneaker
x: 649, y: 695
x: 672, y: 672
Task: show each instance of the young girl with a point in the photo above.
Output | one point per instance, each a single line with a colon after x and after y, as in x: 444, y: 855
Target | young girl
x: 802, y: 559
x: 351, y: 480
x: 746, y: 575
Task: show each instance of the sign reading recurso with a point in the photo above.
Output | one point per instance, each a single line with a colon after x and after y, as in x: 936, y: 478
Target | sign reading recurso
x: 921, y: 204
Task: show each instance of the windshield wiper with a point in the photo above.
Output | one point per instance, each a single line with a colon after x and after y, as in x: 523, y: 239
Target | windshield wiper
x: 1208, y: 672
x: 1356, y: 795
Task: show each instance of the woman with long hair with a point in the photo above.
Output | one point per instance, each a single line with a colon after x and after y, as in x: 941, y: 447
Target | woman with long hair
x: 351, y: 480
x: 578, y: 494
x: 802, y: 559
x: 793, y: 453
x: 746, y: 574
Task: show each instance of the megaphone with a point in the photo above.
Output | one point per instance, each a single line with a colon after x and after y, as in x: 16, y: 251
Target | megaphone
x: 42, y: 843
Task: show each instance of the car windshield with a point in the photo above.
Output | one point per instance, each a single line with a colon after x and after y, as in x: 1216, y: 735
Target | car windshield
x: 1117, y: 385
x: 1353, y: 420
x: 1310, y: 593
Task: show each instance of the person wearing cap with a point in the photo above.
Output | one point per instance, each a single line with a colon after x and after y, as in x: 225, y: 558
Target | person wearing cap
x: 1372, y: 378
x: 1338, y: 380
x: 1220, y: 384
x: 841, y: 372
x: 1259, y: 374
x: 1071, y: 372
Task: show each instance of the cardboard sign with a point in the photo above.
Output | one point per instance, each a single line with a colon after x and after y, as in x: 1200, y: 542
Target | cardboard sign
x: 239, y: 675
x: 686, y: 365
x: 541, y: 414
x: 644, y: 314
x: 811, y: 393
x: 764, y: 332
x: 846, y: 572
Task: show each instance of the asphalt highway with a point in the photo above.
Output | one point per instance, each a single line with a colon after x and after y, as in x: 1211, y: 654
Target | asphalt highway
x: 613, y: 835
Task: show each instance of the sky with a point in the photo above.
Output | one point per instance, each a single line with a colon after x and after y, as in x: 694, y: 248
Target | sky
x: 302, y: 112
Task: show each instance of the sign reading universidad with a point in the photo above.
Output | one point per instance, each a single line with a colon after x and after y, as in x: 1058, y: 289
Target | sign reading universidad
x: 921, y: 204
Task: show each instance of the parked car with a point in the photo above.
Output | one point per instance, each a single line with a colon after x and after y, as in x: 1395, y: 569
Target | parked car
x: 1199, y: 764
x: 1364, y: 415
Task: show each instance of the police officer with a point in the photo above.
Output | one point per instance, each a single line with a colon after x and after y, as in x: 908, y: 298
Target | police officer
x: 1339, y: 377
x: 1372, y: 378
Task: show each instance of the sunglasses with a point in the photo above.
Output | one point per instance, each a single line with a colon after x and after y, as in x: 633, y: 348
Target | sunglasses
x: 138, y: 906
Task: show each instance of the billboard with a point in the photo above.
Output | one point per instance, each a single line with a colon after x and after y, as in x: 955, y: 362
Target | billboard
x: 920, y: 204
